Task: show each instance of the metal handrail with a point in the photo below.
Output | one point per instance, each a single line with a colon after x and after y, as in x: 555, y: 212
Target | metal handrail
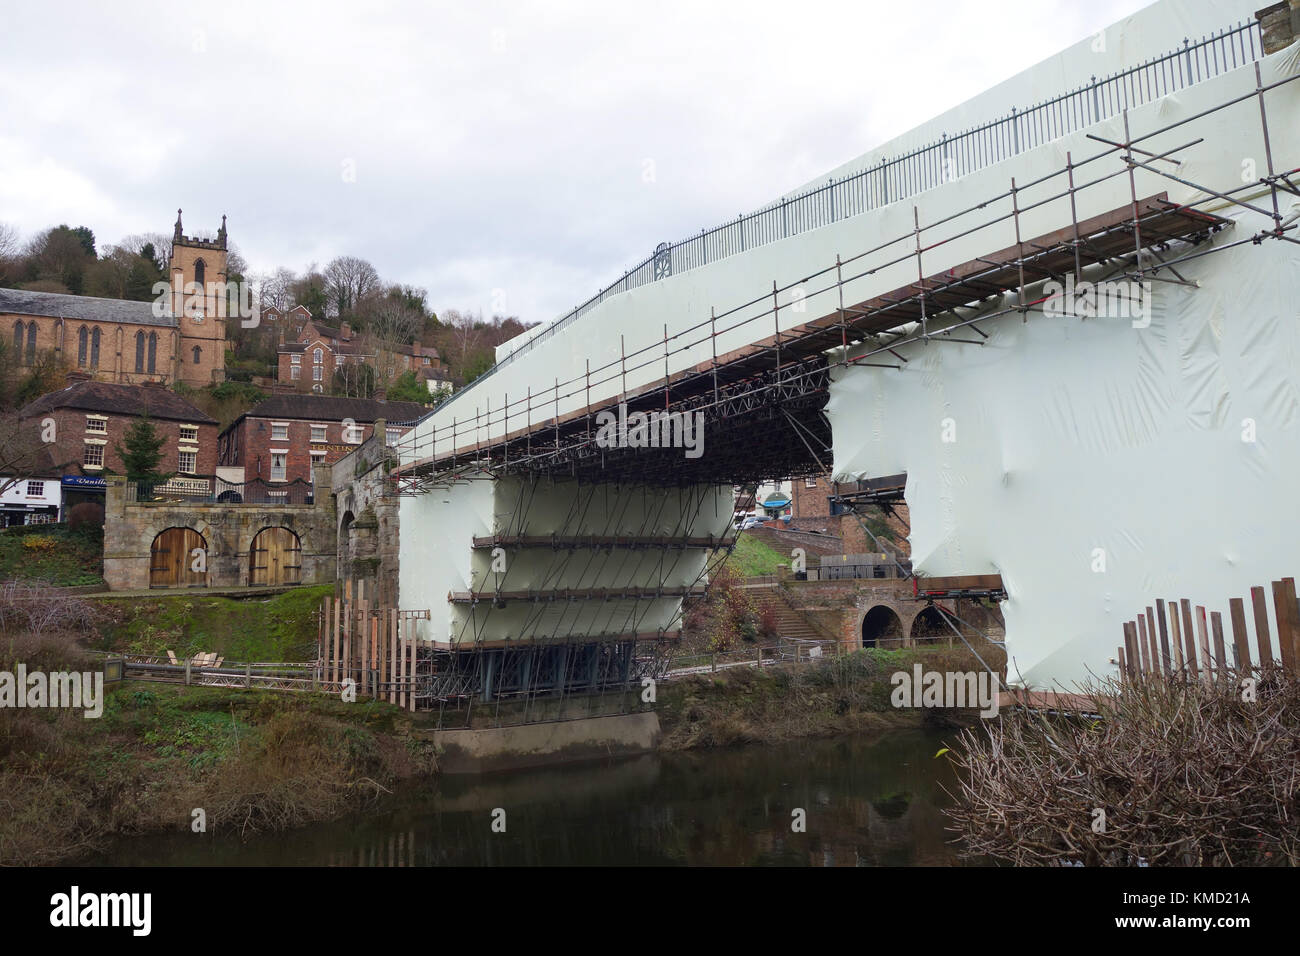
x: 931, y: 165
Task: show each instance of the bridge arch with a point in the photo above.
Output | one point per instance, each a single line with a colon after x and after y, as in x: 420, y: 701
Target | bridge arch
x: 929, y: 624
x: 881, y: 627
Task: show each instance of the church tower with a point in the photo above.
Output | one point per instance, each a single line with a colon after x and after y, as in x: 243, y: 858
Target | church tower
x: 198, y: 277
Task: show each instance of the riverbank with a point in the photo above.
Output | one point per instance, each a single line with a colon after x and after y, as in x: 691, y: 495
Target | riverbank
x: 259, y: 761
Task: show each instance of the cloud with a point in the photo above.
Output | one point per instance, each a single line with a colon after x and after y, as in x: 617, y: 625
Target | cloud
x: 539, y: 149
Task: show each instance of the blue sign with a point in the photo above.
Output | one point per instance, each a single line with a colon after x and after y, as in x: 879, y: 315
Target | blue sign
x: 84, y: 481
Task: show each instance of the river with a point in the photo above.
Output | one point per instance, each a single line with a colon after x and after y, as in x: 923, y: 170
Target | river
x: 867, y: 802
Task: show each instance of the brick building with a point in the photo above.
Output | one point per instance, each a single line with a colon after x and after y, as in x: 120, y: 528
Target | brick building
x: 812, y: 510
x: 281, y: 438
x: 118, y: 340
x: 88, y: 419
x: 308, y: 361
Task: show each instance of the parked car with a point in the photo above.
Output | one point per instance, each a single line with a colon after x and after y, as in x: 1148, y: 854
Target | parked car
x: 750, y: 522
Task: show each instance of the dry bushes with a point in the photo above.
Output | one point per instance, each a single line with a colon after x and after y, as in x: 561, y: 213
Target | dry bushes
x: 35, y: 607
x: 1184, y: 775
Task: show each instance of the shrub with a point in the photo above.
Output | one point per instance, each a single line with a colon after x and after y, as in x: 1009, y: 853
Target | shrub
x: 40, y: 543
x: 88, y: 514
x: 1185, y: 775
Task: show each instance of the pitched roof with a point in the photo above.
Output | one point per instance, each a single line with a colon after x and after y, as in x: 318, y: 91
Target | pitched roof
x: 130, y: 400
x: 88, y: 308
x: 334, y: 408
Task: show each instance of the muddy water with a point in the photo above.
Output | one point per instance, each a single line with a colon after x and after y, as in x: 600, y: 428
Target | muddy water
x: 866, y: 802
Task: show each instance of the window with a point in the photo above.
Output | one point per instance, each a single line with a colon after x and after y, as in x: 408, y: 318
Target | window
x: 35, y: 489
x: 200, y: 271
x: 295, y: 359
x: 317, y: 389
x: 83, y: 345
x: 392, y: 435
x: 31, y: 343
x: 352, y: 433
x: 189, y: 433
x: 153, y: 352
x: 94, y: 349
x: 318, y: 458
x: 295, y: 372
x: 93, y: 456
x: 280, y: 431
x: 18, y: 338
x: 186, y: 462
x: 139, y: 351
x: 318, y: 433
x: 198, y: 352
x: 96, y: 425
x: 278, y: 465
x: 317, y: 373
x: 810, y: 482
x: 317, y: 356
x: 426, y: 360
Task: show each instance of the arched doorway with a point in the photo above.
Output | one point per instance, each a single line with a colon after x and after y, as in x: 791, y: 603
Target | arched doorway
x: 178, y: 559
x: 881, y: 627
x: 930, y: 626
x: 275, y: 558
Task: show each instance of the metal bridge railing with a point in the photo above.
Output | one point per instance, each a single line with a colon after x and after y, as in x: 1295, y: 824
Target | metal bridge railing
x: 943, y: 160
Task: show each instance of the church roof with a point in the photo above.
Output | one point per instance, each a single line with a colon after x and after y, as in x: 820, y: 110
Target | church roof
x: 87, y: 308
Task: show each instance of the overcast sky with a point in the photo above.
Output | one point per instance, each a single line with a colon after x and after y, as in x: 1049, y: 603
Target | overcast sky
x: 535, y: 148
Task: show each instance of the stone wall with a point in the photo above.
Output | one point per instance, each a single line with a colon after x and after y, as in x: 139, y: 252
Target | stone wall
x: 227, y: 529
x: 367, y: 529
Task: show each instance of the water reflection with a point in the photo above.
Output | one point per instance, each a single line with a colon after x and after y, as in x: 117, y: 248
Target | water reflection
x: 867, y: 803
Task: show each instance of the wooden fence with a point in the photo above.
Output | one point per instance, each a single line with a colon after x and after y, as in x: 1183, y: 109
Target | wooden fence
x: 1182, y: 639
x: 373, y: 646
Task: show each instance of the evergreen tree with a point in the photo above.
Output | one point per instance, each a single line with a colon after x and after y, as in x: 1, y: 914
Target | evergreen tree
x: 142, y: 453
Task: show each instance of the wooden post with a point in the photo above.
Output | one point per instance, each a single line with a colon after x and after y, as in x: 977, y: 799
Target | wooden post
x: 338, y: 610
x: 1119, y: 656
x: 1260, y: 605
x: 1240, y: 638
x: 364, y: 617
x: 1220, y: 654
x: 1288, y: 624
x: 393, y: 688
x: 1203, y: 639
x: 1165, y: 661
x: 1175, y: 636
x: 248, y: 674
x: 1144, y: 649
x: 1130, y: 644
x: 1188, y: 637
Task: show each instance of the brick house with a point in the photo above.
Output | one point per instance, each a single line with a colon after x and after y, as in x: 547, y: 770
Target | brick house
x: 307, y: 361
x: 88, y: 419
x: 280, y: 439
x: 811, y: 510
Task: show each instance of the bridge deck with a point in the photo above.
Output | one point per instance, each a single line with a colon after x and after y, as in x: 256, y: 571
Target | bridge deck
x: 777, y: 385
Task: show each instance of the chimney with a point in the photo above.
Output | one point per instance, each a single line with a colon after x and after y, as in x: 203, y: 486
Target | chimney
x: 345, y: 330
x: 381, y: 394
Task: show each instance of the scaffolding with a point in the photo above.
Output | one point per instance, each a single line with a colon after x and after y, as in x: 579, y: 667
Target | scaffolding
x: 763, y: 403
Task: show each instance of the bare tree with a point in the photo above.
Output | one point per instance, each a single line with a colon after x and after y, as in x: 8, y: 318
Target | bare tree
x: 9, y: 247
x: 26, y: 446
x: 348, y: 280
x: 392, y: 323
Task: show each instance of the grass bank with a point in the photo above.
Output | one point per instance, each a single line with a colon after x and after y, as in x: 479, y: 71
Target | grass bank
x: 842, y: 695
x: 53, y: 554
x: 278, y: 627
x: 250, y: 760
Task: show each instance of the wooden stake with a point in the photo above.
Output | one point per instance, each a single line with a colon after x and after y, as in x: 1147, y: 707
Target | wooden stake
x: 1220, y: 655
x: 1166, y: 663
x: 1240, y: 637
x: 1144, y: 648
x: 1176, y: 636
x: 1188, y: 637
x: 1260, y: 605
x: 1203, y: 639
x: 1130, y: 644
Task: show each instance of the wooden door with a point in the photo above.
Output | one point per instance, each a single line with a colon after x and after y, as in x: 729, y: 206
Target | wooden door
x: 174, y: 558
x: 275, y: 558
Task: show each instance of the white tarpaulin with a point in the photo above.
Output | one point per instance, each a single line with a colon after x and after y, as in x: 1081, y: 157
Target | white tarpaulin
x: 1097, y: 466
